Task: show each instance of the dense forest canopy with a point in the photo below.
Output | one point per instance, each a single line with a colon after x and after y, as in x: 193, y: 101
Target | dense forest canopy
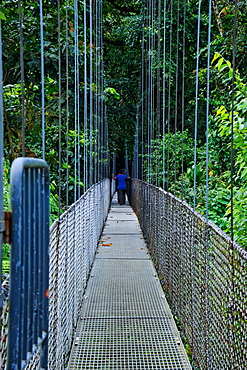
x: 139, y: 64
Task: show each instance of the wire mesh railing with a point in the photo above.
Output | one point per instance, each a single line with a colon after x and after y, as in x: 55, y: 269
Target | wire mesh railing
x: 204, y: 275
x: 73, y: 242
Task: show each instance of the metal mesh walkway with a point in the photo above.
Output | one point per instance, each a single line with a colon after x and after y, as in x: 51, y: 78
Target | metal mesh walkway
x: 125, y: 321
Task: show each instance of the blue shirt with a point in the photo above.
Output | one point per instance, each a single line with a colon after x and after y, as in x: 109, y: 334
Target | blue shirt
x: 121, y: 182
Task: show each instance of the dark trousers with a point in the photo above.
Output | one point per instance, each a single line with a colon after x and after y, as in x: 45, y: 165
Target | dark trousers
x: 121, y: 196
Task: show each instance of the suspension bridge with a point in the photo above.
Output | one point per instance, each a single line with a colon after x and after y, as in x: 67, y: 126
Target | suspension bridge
x: 151, y: 284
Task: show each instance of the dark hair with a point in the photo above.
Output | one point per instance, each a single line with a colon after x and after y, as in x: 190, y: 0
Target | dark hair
x: 123, y: 171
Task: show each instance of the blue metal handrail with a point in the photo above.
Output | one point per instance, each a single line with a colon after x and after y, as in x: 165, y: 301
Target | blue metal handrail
x: 28, y: 312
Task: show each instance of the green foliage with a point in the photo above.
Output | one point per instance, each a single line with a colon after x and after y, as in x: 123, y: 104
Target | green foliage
x: 226, y: 123
x: 124, y: 24
x: 5, y: 258
x: 6, y: 186
x: 122, y: 34
x: 174, y: 148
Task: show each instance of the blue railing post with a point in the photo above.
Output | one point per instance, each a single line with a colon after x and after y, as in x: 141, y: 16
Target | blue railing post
x: 29, y: 269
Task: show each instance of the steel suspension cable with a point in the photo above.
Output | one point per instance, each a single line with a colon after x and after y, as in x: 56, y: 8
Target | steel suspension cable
x: 169, y: 93
x: 197, y: 97
x: 1, y: 156
x: 96, y: 93
x: 85, y: 97
x: 158, y: 114
x: 76, y: 94
x: 232, y: 109
x: 22, y: 76
x: 59, y: 107
x: 78, y: 106
x: 183, y: 92
x: 164, y: 97
x: 208, y: 351
x: 77, y: 143
x: 146, y: 102
x: 136, y: 153
x: 148, y: 89
x: 195, y: 170
x: 97, y: 123
x: 142, y: 101
x: 101, y: 112
x: 42, y: 78
x: 67, y: 107
x: 233, y: 267
x: 102, y: 105
x: 208, y: 105
x: 91, y: 93
x: 176, y: 98
x: 153, y: 115
x: 151, y: 108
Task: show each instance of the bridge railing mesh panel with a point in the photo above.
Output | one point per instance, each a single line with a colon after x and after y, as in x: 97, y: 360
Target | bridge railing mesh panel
x: 204, y: 275
x: 73, y: 242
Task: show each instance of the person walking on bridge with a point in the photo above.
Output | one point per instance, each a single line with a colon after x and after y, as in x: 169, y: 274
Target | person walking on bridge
x: 121, y: 185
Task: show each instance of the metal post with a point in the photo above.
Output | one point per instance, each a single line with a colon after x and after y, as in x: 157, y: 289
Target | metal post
x: 29, y: 278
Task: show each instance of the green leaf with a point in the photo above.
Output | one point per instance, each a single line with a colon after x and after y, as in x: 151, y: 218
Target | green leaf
x: 2, y: 17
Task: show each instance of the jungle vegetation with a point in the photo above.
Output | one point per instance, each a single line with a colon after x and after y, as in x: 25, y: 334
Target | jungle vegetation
x: 139, y: 82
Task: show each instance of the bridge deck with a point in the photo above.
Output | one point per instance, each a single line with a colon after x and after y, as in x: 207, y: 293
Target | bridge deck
x: 125, y: 321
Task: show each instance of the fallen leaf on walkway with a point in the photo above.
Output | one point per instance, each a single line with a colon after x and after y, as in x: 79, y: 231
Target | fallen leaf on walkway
x: 106, y: 245
x: 141, y: 248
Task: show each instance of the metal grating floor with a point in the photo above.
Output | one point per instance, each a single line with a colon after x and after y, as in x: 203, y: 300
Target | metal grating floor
x: 125, y: 321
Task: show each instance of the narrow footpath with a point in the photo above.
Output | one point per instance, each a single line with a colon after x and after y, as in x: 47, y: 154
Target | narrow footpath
x: 125, y: 321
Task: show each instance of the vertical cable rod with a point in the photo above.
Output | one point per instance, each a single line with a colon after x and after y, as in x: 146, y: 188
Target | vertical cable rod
x: 85, y: 96
x: 169, y: 93
x: 195, y: 168
x: 152, y: 80
x: 233, y: 292
x: 59, y: 107
x: 158, y: 112
x: 22, y: 77
x: 176, y: 98
x: 96, y: 92
x: 42, y: 78
x: 91, y: 93
x: 78, y: 105
x: 183, y: 92
x: 208, y: 310
x: 164, y: 98
x: 102, y: 110
x: 136, y: 152
x: 142, y: 100
x: 197, y: 98
x: 97, y: 71
x: 232, y: 120
x: 1, y: 156
x: 75, y: 97
x: 148, y: 92
x: 67, y: 107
